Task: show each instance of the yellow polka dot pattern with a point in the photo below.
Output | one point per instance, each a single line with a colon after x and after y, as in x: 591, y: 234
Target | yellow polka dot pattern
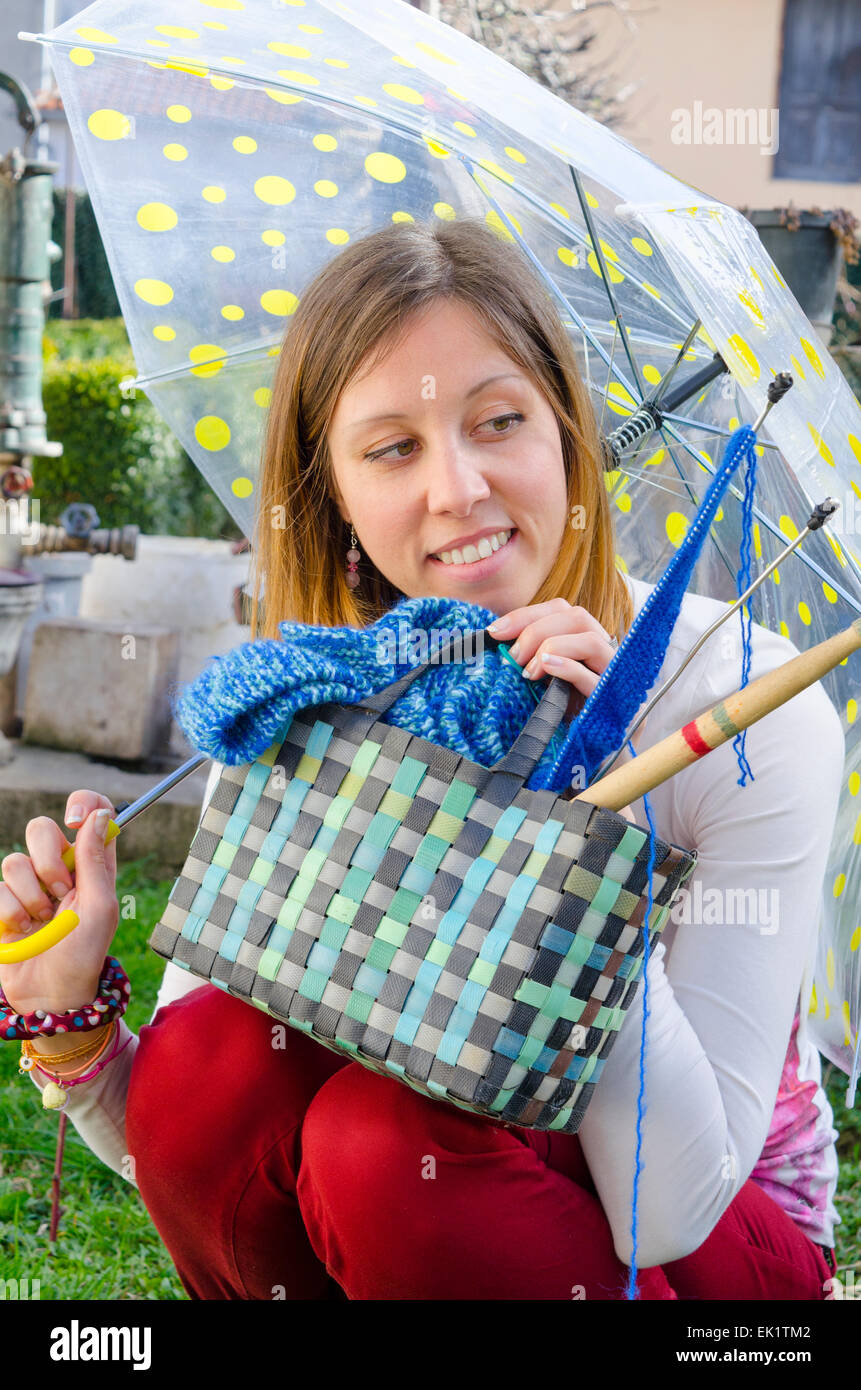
x: 254, y: 183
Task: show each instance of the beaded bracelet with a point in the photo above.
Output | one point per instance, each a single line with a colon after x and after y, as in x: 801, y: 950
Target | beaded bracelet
x: 110, y: 1002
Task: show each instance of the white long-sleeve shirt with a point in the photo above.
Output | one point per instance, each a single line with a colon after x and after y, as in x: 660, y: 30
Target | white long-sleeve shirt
x: 729, y: 980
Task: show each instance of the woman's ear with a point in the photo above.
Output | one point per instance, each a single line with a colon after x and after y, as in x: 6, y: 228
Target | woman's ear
x: 340, y: 505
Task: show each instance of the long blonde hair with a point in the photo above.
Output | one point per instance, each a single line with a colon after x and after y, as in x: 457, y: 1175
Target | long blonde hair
x: 346, y: 317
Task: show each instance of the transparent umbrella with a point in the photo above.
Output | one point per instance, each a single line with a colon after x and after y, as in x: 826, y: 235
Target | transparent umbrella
x: 232, y: 147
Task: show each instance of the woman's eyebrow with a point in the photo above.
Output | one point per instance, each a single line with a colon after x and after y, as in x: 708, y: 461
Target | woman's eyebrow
x: 473, y: 391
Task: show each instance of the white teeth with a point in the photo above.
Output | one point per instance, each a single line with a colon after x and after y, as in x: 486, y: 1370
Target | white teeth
x: 471, y: 553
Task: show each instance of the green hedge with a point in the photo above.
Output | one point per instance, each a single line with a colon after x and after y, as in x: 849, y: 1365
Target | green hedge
x: 86, y: 338
x: 118, y: 453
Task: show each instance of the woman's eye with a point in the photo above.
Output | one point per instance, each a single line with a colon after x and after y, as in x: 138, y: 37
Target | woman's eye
x: 497, y: 419
x: 504, y: 419
x: 381, y: 453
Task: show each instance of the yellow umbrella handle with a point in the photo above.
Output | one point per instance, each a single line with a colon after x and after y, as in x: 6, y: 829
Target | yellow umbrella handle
x: 58, y: 927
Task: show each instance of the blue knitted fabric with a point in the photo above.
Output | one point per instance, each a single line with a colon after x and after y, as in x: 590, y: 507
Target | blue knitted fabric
x: 233, y: 710
x: 600, y: 727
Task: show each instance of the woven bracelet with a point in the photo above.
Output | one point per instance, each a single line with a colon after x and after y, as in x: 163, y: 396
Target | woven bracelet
x: 111, y: 1001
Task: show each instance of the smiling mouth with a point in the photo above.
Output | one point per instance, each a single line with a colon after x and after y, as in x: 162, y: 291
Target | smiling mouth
x: 470, y: 554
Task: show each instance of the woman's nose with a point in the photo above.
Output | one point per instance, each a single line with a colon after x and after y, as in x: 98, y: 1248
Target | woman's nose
x: 456, y: 480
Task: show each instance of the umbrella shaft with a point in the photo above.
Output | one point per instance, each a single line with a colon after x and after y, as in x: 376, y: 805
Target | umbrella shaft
x: 649, y: 416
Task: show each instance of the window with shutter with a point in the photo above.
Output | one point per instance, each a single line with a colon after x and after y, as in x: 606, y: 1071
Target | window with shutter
x: 820, y: 92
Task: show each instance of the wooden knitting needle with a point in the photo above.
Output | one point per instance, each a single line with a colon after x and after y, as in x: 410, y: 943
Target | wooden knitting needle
x: 718, y: 725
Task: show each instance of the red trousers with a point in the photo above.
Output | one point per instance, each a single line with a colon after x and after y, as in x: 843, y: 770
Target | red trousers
x: 275, y: 1168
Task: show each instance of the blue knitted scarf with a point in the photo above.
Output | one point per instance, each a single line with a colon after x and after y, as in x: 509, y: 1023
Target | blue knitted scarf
x: 238, y: 704
x: 234, y: 709
x: 477, y: 707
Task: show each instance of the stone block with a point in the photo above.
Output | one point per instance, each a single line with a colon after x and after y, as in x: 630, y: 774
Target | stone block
x: 101, y: 687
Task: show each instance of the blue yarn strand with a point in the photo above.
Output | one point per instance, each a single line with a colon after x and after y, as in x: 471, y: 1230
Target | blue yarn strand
x: 742, y: 583
x: 601, y: 725
x: 632, y: 1290
x: 744, y: 446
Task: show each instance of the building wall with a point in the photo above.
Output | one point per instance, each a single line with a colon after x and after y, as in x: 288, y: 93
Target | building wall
x: 721, y: 55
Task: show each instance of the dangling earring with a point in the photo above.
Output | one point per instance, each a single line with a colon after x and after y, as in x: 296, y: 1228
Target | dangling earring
x: 353, y: 557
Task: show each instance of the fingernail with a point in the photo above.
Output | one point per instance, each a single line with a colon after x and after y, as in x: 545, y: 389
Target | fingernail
x: 102, y: 818
x: 498, y: 626
x: 76, y: 813
x: 530, y: 670
x: 59, y: 890
x: 513, y: 652
x: 555, y: 661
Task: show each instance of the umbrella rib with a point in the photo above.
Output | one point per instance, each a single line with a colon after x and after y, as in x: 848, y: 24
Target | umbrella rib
x: 606, y: 391
x: 231, y: 355
x: 718, y: 430
x: 775, y: 531
x: 248, y: 79
x: 647, y: 340
x: 570, y: 231
x: 579, y: 322
x: 653, y: 480
x: 718, y: 543
x: 599, y: 256
x: 658, y: 480
x: 584, y: 328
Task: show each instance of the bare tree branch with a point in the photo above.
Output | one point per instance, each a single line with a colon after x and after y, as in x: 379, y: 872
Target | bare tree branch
x: 548, y: 43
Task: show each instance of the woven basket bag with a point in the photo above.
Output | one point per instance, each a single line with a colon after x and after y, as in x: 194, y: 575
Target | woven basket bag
x: 432, y: 918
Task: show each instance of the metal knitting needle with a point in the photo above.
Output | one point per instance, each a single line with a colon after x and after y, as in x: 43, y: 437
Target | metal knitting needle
x: 820, y: 515
x: 776, y: 390
x: 134, y: 808
x: 65, y: 922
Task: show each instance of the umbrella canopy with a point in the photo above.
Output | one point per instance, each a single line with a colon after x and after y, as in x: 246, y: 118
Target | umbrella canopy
x: 232, y: 147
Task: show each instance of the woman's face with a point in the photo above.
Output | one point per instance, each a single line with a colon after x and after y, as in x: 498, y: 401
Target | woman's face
x: 451, y: 480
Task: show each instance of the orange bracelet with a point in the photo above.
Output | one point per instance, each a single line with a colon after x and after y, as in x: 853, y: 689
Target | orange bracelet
x: 27, y: 1050
x: 54, y: 1096
x: 36, y: 1059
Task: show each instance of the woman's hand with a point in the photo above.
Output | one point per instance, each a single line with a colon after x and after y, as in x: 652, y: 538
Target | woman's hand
x: 577, y: 641
x: 558, y: 639
x: 67, y: 975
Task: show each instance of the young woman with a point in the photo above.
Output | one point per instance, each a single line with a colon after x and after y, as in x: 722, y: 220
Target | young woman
x: 427, y: 401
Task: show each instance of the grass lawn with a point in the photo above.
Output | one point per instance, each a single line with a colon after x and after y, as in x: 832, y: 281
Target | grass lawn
x: 107, y: 1247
